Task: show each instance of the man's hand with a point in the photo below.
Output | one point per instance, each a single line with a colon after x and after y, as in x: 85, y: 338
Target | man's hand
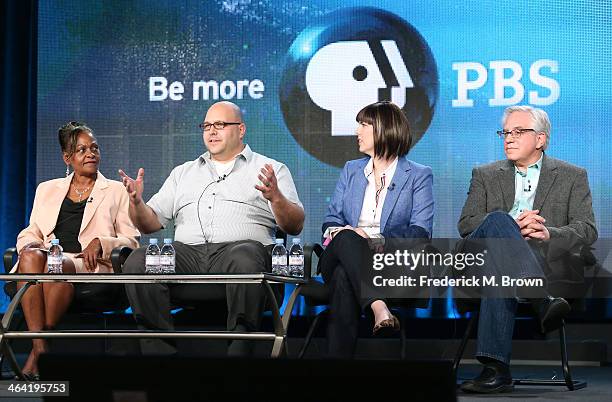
x: 133, y: 187
x: 532, y: 225
x: 540, y: 232
x: 269, y: 188
x: 90, y: 254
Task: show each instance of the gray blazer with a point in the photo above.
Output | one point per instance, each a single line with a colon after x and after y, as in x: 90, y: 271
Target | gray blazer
x: 563, y: 197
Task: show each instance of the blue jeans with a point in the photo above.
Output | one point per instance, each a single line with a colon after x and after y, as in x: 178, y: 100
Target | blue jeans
x: 496, y: 322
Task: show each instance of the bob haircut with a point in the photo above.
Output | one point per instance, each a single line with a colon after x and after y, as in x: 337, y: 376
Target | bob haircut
x: 392, y: 137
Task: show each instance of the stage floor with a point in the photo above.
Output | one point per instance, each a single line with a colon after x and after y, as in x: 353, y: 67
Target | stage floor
x: 599, y: 388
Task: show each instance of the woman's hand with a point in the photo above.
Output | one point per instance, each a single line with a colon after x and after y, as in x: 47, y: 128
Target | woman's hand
x: 361, y: 233
x: 334, y: 232
x: 90, y: 254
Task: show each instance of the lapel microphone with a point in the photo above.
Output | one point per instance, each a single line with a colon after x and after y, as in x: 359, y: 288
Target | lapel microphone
x: 528, y: 186
x: 90, y: 199
x: 391, y: 187
x: 221, y: 178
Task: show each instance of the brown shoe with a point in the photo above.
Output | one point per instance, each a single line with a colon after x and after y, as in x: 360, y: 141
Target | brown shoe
x: 386, y: 327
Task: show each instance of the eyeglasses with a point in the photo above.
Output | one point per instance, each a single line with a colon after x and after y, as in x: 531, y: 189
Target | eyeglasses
x: 219, y: 125
x: 516, y: 133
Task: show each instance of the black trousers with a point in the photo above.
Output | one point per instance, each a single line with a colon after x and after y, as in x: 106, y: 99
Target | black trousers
x: 340, y: 266
x: 245, y: 302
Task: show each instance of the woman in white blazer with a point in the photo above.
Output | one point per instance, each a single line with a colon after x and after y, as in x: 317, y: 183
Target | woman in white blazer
x: 88, y: 214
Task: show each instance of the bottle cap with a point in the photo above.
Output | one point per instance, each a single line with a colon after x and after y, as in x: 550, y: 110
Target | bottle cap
x: 279, y: 241
x: 296, y: 240
x: 152, y: 241
x: 55, y: 241
x: 167, y: 241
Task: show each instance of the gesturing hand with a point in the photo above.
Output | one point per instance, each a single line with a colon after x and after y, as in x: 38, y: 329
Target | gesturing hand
x: 133, y: 187
x: 90, y: 254
x: 269, y: 188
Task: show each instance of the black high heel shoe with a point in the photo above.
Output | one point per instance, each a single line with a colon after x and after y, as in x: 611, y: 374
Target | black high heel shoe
x: 386, y: 327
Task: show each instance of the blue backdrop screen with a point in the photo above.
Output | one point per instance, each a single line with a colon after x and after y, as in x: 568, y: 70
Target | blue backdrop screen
x: 143, y: 73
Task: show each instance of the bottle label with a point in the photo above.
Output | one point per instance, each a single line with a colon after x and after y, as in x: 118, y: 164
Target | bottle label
x: 279, y: 260
x: 152, y: 260
x: 167, y: 260
x: 296, y: 260
x: 54, y: 260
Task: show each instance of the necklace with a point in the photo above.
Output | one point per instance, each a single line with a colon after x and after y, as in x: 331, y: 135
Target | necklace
x: 80, y: 192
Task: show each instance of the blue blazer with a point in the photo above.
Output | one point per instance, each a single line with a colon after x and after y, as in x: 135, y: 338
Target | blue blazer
x: 409, y: 205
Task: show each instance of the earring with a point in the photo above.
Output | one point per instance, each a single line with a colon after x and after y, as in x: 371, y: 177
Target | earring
x: 67, y: 170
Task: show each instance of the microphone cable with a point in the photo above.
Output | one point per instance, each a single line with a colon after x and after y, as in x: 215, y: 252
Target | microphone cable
x: 219, y: 180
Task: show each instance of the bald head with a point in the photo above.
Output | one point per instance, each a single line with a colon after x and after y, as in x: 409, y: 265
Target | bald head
x: 224, y: 143
x: 229, y: 109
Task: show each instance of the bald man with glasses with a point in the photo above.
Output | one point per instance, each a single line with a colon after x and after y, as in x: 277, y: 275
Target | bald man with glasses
x: 225, y: 206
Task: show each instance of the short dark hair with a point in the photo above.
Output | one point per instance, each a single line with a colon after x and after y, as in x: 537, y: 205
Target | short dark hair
x: 68, y: 134
x: 392, y: 136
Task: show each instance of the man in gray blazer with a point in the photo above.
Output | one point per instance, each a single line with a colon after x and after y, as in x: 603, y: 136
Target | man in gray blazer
x: 541, y: 207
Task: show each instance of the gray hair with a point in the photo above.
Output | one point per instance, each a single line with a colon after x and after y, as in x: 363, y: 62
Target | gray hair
x: 541, y: 122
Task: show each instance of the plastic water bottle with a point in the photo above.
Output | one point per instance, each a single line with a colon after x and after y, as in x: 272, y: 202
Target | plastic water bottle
x: 167, y: 259
x: 152, y: 257
x: 296, y: 258
x: 279, y: 258
x: 54, y: 258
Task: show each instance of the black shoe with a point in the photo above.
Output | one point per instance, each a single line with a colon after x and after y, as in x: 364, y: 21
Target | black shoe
x: 551, y: 311
x: 494, y: 378
x: 29, y: 377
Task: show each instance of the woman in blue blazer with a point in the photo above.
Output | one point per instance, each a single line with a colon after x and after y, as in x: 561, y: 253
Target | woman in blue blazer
x: 381, y: 196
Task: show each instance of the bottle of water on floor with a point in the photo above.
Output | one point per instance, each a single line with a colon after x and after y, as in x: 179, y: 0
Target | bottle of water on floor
x: 296, y: 259
x: 54, y: 258
x: 168, y: 257
x: 279, y: 258
x: 152, y: 257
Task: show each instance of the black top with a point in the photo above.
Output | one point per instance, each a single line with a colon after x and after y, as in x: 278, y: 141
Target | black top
x: 69, y: 224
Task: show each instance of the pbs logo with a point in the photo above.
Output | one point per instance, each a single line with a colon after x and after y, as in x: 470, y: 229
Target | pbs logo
x: 347, y: 60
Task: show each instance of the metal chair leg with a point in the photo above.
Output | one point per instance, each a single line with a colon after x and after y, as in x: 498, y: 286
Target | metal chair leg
x: 572, y: 385
x: 19, y: 321
x: 402, y: 342
x: 564, y: 362
x: 310, y: 333
x: 464, y: 341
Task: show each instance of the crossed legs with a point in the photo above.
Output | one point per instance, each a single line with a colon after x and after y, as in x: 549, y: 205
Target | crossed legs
x: 44, y: 304
x: 340, y: 266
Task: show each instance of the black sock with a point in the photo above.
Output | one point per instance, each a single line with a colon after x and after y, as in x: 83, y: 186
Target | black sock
x: 489, y: 361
